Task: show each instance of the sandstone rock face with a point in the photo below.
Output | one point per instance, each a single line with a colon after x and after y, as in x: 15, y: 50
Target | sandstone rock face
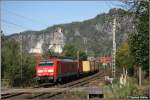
x: 93, y: 35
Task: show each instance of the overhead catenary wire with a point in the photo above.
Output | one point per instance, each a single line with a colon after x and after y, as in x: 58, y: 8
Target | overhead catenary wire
x: 21, y: 47
x: 22, y: 17
x: 26, y: 18
x: 14, y: 24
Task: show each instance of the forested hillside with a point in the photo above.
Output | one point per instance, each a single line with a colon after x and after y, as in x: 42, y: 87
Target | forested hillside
x: 94, y: 34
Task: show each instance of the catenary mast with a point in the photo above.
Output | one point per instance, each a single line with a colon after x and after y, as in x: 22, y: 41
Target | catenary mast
x: 114, y: 49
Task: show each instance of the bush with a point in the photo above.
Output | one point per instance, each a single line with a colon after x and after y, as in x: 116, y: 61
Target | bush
x: 12, y: 62
x: 130, y: 89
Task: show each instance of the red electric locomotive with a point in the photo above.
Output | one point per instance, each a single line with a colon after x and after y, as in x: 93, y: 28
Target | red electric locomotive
x: 56, y: 69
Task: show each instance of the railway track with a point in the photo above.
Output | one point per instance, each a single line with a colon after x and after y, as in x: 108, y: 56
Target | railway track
x: 44, y: 85
x: 67, y: 87
x: 56, y: 91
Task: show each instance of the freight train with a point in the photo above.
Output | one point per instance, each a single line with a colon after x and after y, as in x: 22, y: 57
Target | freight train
x: 55, y: 70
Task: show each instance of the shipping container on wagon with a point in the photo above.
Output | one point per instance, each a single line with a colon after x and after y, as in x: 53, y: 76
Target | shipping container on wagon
x: 86, y: 66
x: 92, y: 66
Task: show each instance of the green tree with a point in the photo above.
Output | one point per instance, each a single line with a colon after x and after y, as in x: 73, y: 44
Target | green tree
x: 70, y: 51
x: 139, y: 41
x: 28, y: 68
x: 13, y: 61
x: 49, y: 54
x: 123, y: 57
x: 82, y: 55
x: 10, y: 57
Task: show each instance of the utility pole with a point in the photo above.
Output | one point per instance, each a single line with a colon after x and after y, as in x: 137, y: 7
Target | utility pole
x: 114, y: 49
x: 21, y: 56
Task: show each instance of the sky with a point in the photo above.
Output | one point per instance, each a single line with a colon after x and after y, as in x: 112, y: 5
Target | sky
x: 19, y: 16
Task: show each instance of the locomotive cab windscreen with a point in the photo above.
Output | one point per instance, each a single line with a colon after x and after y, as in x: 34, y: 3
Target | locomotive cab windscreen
x: 45, y: 68
x: 43, y: 64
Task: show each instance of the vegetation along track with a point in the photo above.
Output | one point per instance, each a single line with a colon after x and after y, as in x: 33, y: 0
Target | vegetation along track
x: 57, y: 91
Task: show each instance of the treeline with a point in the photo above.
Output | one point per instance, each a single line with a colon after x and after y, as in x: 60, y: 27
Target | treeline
x: 69, y: 51
x: 16, y: 66
x: 134, y: 52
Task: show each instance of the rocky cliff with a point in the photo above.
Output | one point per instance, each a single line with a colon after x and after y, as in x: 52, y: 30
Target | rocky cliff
x: 93, y: 35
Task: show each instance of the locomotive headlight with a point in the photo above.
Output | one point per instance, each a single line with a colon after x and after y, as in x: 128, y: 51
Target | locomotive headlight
x: 40, y: 71
x: 50, y: 70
